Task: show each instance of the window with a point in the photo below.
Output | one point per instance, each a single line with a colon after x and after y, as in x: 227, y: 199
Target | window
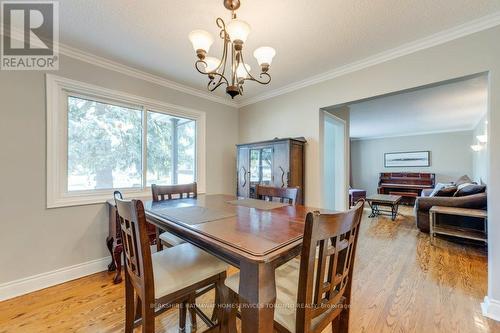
x: 171, y: 149
x: 104, y: 145
x: 99, y: 140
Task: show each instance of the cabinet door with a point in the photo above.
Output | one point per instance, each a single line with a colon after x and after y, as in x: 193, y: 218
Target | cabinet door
x: 266, y: 166
x: 243, y: 173
x: 281, y: 165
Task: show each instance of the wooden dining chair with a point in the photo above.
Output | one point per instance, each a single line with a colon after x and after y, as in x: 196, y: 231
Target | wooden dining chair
x: 312, y: 293
x: 170, y: 192
x: 156, y: 282
x: 288, y: 194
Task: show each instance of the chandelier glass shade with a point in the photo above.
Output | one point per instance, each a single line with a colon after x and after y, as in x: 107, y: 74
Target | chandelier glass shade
x: 230, y: 70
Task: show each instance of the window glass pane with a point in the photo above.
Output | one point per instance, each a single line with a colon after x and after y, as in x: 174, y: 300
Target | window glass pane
x: 255, y: 165
x: 186, y: 163
x: 171, y: 147
x: 267, y: 166
x: 104, y: 145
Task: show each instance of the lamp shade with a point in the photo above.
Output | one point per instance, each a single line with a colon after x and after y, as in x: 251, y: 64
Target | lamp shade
x: 241, y: 73
x: 238, y: 30
x: 264, y: 55
x: 201, y: 40
x: 212, y: 64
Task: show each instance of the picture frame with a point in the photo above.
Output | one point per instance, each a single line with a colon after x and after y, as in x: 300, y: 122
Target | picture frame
x: 407, y: 159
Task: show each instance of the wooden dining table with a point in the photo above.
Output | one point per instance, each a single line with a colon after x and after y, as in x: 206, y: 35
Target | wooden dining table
x: 252, y: 239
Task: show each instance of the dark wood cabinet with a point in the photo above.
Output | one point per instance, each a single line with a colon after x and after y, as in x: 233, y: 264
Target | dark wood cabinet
x: 277, y: 162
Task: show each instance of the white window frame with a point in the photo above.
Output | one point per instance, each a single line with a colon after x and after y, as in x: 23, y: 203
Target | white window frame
x: 58, y: 89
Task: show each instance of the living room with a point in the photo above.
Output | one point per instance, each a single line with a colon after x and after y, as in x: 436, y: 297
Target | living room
x: 425, y: 149
x: 445, y: 124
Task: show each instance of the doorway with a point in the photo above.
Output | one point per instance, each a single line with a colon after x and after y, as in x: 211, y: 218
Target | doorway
x: 334, y: 162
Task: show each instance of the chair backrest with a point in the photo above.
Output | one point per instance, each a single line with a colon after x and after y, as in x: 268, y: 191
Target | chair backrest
x: 283, y: 193
x: 325, y: 284
x: 136, y: 245
x: 167, y: 192
x: 117, y: 194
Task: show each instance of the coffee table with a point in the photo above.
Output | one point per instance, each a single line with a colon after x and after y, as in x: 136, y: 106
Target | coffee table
x: 450, y: 230
x: 384, y: 200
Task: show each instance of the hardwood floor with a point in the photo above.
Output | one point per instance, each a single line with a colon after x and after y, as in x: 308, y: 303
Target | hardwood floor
x: 401, y: 284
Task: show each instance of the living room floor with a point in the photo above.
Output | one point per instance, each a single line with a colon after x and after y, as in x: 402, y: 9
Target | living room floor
x: 401, y: 284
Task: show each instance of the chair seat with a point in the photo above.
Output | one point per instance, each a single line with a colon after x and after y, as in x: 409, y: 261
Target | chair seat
x: 287, y: 283
x: 171, y: 239
x: 181, y: 266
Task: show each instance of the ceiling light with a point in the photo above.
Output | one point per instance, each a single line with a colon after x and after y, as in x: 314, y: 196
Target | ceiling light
x: 238, y: 31
x: 264, y: 55
x: 201, y: 41
x: 234, y: 36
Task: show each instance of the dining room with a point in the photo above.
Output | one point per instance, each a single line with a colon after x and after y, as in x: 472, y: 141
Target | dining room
x: 168, y: 167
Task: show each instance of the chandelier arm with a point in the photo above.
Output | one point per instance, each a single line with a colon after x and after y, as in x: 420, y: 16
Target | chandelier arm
x: 215, y: 85
x: 216, y: 71
x: 222, y: 25
x: 234, y: 65
x: 198, y: 63
x: 251, y: 77
x: 224, y: 57
x: 221, y: 76
x: 224, y: 36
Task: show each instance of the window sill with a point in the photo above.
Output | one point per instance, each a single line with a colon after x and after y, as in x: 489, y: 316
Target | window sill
x: 83, y: 199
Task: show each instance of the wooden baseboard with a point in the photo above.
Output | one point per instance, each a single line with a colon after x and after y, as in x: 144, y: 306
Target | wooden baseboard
x: 48, y: 279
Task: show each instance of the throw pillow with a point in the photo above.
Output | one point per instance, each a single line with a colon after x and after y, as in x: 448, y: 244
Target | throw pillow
x: 439, y: 187
x: 462, y: 180
x: 470, y: 190
x: 461, y: 186
x: 447, y: 191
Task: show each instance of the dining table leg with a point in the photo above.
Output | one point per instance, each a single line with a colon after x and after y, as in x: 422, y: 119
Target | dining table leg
x: 257, y: 292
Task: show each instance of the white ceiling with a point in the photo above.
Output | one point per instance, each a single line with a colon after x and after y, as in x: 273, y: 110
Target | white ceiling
x: 444, y: 108
x: 311, y: 37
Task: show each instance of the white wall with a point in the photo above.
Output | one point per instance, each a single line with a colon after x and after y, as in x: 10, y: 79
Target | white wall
x: 334, y: 163
x: 480, y: 158
x: 297, y: 113
x: 451, y: 157
x: 36, y: 240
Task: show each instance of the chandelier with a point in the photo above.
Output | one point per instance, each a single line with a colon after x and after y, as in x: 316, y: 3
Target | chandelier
x: 234, y: 35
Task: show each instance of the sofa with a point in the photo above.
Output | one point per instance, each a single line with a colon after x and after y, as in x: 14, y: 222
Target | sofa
x: 425, y: 202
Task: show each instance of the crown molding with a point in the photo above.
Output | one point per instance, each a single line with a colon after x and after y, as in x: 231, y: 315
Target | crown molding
x: 133, y: 72
x: 377, y: 137
x: 130, y: 71
x: 483, y: 23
